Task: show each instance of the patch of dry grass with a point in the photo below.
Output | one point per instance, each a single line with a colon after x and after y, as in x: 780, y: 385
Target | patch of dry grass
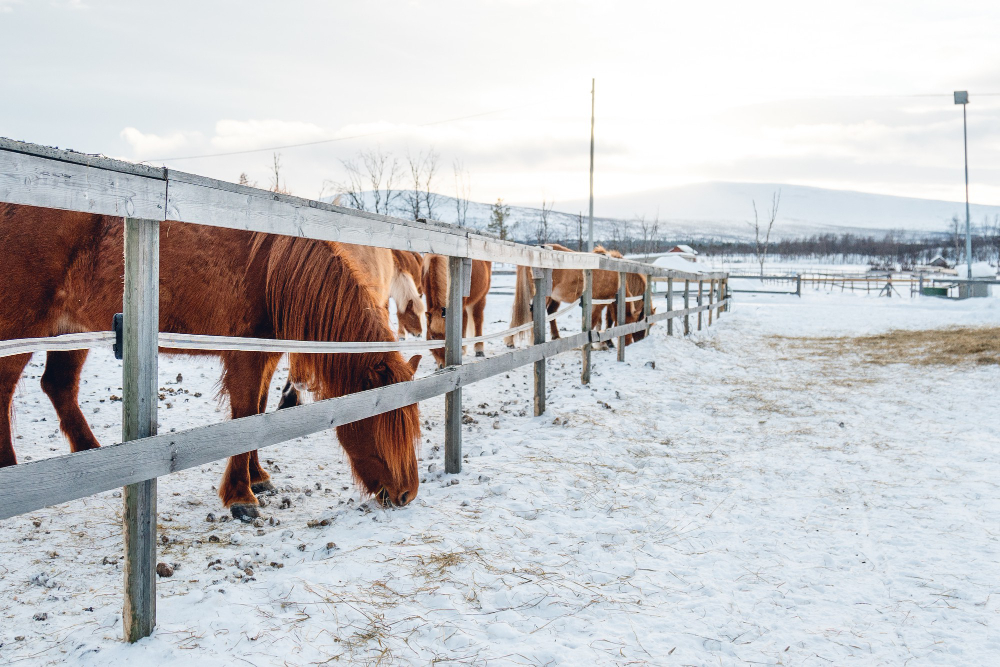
x: 951, y: 346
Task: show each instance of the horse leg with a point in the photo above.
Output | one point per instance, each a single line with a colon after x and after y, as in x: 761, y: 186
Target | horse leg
x: 246, y: 377
x: 260, y: 479
x: 289, y: 396
x: 595, y: 325
x: 552, y: 306
x: 477, y: 323
x: 610, y: 320
x: 61, y: 383
x: 10, y: 375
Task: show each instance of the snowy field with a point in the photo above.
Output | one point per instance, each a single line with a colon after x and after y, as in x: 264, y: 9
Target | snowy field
x: 743, y: 502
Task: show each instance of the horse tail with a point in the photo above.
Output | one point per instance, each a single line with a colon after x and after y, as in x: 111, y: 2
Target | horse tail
x: 524, y: 290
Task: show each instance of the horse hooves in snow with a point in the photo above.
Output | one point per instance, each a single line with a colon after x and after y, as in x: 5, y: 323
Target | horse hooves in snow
x: 480, y: 353
x: 263, y: 487
x: 244, y: 512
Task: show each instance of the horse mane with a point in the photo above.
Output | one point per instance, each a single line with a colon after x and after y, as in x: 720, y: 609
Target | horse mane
x: 600, y: 250
x: 435, y: 272
x: 314, y: 291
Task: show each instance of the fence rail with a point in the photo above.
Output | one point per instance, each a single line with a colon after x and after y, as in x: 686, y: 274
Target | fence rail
x: 145, y: 197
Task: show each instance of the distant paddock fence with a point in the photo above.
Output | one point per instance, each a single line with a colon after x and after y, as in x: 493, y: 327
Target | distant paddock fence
x: 144, y: 197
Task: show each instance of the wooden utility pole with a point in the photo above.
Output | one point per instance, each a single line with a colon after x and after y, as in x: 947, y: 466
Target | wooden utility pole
x: 590, y: 229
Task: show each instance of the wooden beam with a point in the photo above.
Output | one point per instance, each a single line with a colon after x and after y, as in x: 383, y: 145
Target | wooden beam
x: 587, y: 309
x: 687, y: 299
x: 543, y: 280
x: 77, y: 186
x: 647, y: 304
x: 699, y: 304
x: 711, y: 300
x: 139, y: 400
x: 454, y: 322
x: 670, y: 306
x: 620, y: 314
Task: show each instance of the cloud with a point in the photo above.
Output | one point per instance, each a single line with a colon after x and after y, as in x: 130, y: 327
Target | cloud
x: 241, y: 135
x: 146, y: 146
x: 7, y: 6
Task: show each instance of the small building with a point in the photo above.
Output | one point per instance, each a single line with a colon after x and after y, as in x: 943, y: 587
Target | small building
x: 939, y: 262
x: 685, y: 252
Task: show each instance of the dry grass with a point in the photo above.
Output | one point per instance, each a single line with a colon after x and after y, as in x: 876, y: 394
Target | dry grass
x: 952, y: 346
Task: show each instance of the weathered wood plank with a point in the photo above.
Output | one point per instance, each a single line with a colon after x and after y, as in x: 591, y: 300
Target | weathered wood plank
x: 620, y: 314
x: 453, y: 331
x: 543, y: 281
x: 687, y: 304
x: 586, y: 307
x: 141, y: 311
x: 36, y: 181
x: 670, y: 306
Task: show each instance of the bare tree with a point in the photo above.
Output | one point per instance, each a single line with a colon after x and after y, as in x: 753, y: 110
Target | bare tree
x: 957, y: 237
x: 649, y: 231
x: 763, y: 228
x: 379, y: 174
x: 579, y: 231
x: 499, y: 220
x: 462, y: 188
x: 276, y: 183
x: 542, y: 228
x: 420, y: 198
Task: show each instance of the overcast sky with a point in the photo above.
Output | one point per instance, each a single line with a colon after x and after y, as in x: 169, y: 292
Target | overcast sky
x: 782, y: 92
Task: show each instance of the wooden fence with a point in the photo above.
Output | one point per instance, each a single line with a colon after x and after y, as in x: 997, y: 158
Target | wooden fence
x: 144, y: 197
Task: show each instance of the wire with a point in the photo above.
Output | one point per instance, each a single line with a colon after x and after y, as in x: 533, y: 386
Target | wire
x: 329, y: 141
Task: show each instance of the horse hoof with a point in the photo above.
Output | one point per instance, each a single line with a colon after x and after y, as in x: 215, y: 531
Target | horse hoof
x: 263, y: 487
x: 480, y: 353
x: 244, y: 512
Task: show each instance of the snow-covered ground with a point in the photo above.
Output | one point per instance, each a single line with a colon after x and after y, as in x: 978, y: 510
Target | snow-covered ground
x: 742, y: 502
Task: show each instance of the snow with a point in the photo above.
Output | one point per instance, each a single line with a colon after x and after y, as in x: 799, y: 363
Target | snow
x: 680, y: 264
x: 742, y: 501
x: 979, y: 270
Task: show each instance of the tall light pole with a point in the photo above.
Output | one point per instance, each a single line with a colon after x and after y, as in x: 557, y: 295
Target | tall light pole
x: 590, y: 226
x: 962, y: 97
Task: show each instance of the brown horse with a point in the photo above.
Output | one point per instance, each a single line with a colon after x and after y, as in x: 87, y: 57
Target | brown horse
x: 62, y: 273
x: 436, y: 286
x: 407, y: 291
x: 635, y: 285
x: 390, y: 273
x: 567, y: 287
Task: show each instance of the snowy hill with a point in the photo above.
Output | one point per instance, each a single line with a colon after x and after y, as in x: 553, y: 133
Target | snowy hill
x: 723, y: 208
x: 721, y: 211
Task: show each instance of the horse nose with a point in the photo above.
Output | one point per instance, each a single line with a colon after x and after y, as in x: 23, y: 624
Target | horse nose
x: 404, y: 498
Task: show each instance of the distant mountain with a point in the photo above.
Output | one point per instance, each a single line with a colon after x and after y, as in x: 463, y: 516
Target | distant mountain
x: 721, y: 211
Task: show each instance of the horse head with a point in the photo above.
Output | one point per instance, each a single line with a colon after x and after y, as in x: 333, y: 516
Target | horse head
x: 382, y: 449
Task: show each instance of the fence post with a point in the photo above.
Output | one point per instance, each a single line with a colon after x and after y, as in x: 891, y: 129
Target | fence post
x: 620, y: 307
x: 647, y: 302
x: 670, y: 305
x: 687, y: 304
x: 453, y: 321
x: 711, y: 299
x: 798, y: 285
x: 920, y: 289
x: 699, y: 305
x: 543, y: 281
x: 141, y: 322
x: 587, y: 308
